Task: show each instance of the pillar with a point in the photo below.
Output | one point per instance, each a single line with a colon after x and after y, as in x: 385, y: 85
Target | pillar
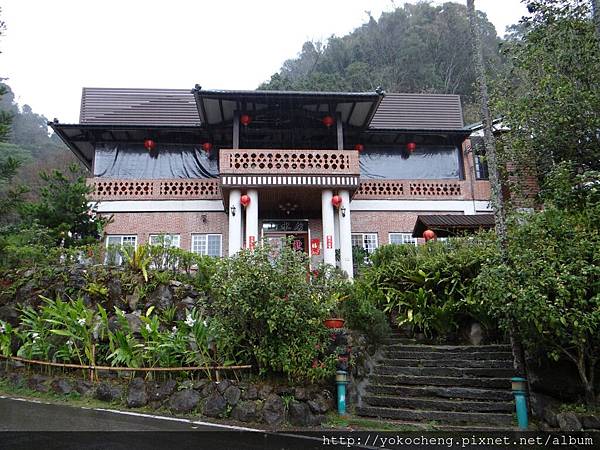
x: 235, y: 212
x: 328, y: 228
x: 346, y: 262
x: 252, y: 219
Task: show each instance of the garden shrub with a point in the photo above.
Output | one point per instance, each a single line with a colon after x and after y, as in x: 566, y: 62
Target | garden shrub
x: 272, y: 311
x: 361, y: 314
x: 429, y: 287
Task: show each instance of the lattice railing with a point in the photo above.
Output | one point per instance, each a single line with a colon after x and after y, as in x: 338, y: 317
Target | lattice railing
x: 112, y: 189
x: 310, y: 162
x: 404, y: 189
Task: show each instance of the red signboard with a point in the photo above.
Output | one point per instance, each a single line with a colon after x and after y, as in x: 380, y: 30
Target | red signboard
x: 315, y: 246
x: 329, y: 241
x: 251, y: 242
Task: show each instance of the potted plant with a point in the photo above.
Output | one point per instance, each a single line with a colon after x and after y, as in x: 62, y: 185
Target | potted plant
x: 335, y: 319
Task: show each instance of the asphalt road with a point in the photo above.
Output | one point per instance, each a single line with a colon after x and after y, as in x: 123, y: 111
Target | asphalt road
x: 33, y: 425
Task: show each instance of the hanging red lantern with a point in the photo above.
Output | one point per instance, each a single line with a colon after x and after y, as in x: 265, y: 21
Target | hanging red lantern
x: 411, y: 147
x: 207, y: 147
x: 359, y: 147
x: 328, y: 121
x: 429, y: 235
x: 336, y: 201
x: 245, y: 119
x: 245, y: 200
x: 149, y: 144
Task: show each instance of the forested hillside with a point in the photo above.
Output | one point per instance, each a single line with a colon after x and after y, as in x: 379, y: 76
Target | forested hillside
x: 415, y: 48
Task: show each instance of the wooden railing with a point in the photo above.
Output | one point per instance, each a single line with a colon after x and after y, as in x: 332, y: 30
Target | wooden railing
x: 286, y: 162
x: 421, y: 189
x: 119, y: 189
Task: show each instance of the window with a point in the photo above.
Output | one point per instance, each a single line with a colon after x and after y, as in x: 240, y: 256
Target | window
x: 114, y: 244
x: 479, y: 158
x: 367, y: 241
x: 166, y: 240
x: 206, y: 244
x: 402, y: 238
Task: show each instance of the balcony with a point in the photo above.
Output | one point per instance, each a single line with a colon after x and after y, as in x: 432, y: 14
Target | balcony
x: 422, y: 189
x: 315, y: 168
x: 175, y: 189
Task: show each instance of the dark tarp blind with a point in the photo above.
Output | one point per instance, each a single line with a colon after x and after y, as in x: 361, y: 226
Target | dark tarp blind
x: 426, y: 162
x: 132, y: 161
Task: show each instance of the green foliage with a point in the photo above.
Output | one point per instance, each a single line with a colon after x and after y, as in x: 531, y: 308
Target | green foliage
x: 550, y: 99
x: 428, y: 287
x: 361, y: 314
x: 137, y: 259
x: 549, y: 286
x: 272, y: 314
x: 6, y: 335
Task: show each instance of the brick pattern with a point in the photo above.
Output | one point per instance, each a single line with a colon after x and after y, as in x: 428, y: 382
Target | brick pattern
x: 232, y: 162
x: 112, y: 189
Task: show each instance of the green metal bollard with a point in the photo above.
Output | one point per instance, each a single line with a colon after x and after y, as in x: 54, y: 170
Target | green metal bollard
x: 341, y: 379
x: 519, y: 389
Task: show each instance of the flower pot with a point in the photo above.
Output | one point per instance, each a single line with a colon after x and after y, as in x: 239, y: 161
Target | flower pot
x: 334, y: 323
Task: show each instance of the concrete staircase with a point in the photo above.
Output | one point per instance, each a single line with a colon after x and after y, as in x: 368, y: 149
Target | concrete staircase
x: 446, y: 386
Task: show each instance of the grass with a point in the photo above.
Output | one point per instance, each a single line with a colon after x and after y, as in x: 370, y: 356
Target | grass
x: 580, y: 408
x: 351, y: 422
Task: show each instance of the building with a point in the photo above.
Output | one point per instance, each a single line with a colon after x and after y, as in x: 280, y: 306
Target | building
x: 217, y: 171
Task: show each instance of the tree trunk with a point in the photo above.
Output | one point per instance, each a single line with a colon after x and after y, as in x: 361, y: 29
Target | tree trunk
x: 492, y: 160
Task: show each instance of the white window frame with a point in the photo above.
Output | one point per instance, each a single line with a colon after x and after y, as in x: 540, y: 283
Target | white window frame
x: 404, y: 238
x: 121, y: 237
x: 364, y: 238
x: 206, y: 237
x: 170, y: 240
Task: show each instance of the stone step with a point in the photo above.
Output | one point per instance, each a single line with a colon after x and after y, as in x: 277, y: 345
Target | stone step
x: 399, y: 353
x: 486, y: 383
x: 441, y: 392
x: 444, y: 417
x: 444, y: 371
x: 467, y: 363
x: 450, y: 348
x: 434, y: 404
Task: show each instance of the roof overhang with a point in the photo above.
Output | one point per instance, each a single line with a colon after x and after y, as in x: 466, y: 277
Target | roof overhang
x: 445, y: 225
x: 218, y: 107
x: 81, y: 138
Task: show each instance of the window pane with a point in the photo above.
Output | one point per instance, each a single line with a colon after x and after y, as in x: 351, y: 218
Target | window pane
x: 402, y: 238
x: 357, y: 240
x: 214, y: 245
x: 370, y: 242
x: 199, y: 244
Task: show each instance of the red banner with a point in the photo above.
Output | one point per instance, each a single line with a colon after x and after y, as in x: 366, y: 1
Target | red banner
x: 329, y: 241
x: 251, y: 242
x: 315, y: 246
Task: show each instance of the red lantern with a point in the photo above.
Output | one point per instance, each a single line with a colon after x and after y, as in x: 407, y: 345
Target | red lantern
x: 336, y: 201
x: 245, y: 119
x: 328, y: 121
x: 411, y: 147
x: 207, y: 147
x: 149, y: 144
x: 359, y: 147
x: 245, y: 200
x: 429, y: 235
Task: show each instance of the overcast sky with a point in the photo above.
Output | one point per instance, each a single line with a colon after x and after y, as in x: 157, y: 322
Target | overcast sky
x: 51, y: 49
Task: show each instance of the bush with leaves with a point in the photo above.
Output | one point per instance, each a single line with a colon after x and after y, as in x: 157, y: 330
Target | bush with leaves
x: 549, y: 286
x: 272, y: 314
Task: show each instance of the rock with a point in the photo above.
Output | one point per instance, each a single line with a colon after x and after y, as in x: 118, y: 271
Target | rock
x: 475, y: 334
x: 114, y: 290
x: 132, y: 301
x: 264, y: 391
x: 245, y: 412
x: 590, y: 422
x: 160, y: 391
x: 83, y: 387
x: 300, y: 393
x: 16, y: 379
x: 155, y: 404
x: 232, y: 395
x: 568, y: 421
x: 38, y: 383
x: 175, y: 283
x: 184, y: 401
x: 299, y: 414
x: 315, y: 420
x: 544, y: 407
x: 9, y: 314
x: 208, y: 389
x: 108, y: 393
x: 319, y: 405
x: 273, y: 410
x: 62, y: 386
x: 223, y: 385
x: 284, y: 390
x: 161, y: 298
x: 136, y: 394
x: 199, y: 384
x: 135, y: 324
x: 251, y: 393
x: 215, y: 405
x: 189, y: 302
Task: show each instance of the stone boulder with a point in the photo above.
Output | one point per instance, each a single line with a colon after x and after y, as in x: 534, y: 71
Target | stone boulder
x: 9, y: 314
x: 250, y: 393
x: 161, y: 391
x: 137, y: 395
x: 320, y: 404
x: 245, y: 411
x: 590, y: 422
x: 264, y: 391
x: 299, y: 414
x: 215, y: 405
x: 184, y: 401
x: 568, y: 421
x: 84, y: 388
x: 223, y: 385
x: 108, y: 393
x: 38, y: 383
x: 62, y: 386
x: 208, y: 389
x: 232, y: 395
x: 161, y: 298
x: 273, y: 410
